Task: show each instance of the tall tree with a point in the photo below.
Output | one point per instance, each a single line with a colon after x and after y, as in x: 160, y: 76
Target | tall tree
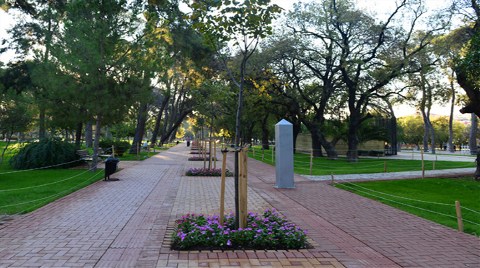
x: 373, y: 55
x: 93, y: 47
x: 468, y: 67
x: 244, y: 23
x: 37, y: 31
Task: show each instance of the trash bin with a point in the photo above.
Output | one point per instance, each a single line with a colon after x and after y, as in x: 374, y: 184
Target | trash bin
x: 110, y: 167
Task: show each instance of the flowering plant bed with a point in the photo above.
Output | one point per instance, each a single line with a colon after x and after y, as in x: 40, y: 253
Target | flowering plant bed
x: 214, y: 172
x: 200, y: 158
x: 266, y: 231
x: 196, y: 152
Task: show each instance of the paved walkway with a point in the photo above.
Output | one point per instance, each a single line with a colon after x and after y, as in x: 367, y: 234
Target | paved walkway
x: 127, y: 223
x: 449, y: 173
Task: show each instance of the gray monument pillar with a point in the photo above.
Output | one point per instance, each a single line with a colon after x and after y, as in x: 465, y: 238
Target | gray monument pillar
x: 284, y: 154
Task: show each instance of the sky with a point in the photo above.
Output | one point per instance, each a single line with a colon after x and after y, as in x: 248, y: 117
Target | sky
x: 377, y: 6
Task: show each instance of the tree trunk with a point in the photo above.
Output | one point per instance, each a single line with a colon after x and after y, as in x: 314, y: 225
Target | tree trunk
x: 352, y: 137
x: 297, y: 127
x: 156, y: 128
x: 450, y: 121
x: 88, y: 134
x: 316, y: 144
x: 6, y: 146
x: 265, y: 133
x: 428, y: 132
x: 472, y: 140
x: 42, y: 131
x: 140, y: 129
x: 96, y: 143
x: 477, y: 171
x: 175, y: 126
x: 473, y: 106
x: 78, y: 135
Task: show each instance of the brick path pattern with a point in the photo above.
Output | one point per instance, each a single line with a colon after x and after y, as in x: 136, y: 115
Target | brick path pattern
x: 127, y: 223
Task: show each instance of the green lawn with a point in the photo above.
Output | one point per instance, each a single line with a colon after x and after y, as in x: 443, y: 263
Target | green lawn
x: 23, y: 191
x: 324, y: 166
x: 432, y: 199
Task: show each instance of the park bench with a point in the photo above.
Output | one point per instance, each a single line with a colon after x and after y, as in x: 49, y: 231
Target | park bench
x: 86, y: 157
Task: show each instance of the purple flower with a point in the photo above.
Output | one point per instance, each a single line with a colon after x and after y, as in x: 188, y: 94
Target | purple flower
x: 229, y: 243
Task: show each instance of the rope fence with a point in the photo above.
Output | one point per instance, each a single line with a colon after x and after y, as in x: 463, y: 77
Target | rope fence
x: 306, y: 164
x: 39, y: 200
x: 46, y: 167
x: 409, y: 205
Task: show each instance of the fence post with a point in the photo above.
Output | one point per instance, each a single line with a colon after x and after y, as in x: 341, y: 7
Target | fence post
x: 459, y: 216
x: 222, y: 185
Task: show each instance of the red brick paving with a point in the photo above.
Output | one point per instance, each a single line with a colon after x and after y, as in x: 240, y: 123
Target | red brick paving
x: 127, y: 223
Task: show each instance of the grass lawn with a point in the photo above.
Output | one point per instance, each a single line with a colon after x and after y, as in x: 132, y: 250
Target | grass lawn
x: 428, y: 198
x: 324, y: 166
x: 24, y: 191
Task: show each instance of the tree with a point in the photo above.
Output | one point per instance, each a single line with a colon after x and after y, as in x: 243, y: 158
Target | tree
x: 374, y: 55
x: 14, y: 116
x: 307, y: 59
x: 468, y: 67
x: 31, y: 34
x: 411, y: 130
x: 244, y: 23
x: 93, y: 47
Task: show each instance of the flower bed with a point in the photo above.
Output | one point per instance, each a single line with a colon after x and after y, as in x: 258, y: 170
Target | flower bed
x: 200, y: 158
x: 198, y: 152
x: 266, y: 231
x: 214, y: 172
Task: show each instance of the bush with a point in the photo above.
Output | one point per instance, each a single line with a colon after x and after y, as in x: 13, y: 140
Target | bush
x: 120, y: 146
x: 45, y: 153
x: 266, y: 231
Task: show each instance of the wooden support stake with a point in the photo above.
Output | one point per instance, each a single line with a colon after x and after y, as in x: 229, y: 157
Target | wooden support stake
x: 273, y: 154
x: 243, y: 188
x: 113, y: 150
x: 215, y: 155
x: 210, y: 154
x: 263, y: 154
x: 240, y: 188
x: 458, y: 209
x: 222, y: 186
x: 333, y: 179
x: 311, y: 161
x: 204, y: 153
x: 253, y: 151
x: 384, y: 166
